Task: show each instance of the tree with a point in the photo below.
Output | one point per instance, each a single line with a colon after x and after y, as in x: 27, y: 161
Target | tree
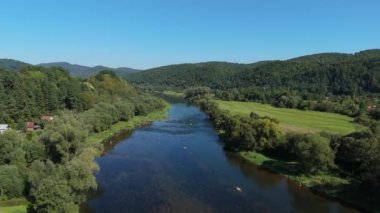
x: 12, y: 183
x: 11, y: 148
x: 359, y: 155
x: 126, y: 110
x: 53, y: 194
x: 313, y: 152
x: 64, y: 137
x: 79, y: 173
x: 250, y: 134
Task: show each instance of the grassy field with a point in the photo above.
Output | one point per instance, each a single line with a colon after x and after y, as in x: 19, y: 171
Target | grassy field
x: 15, y: 205
x: 293, y: 120
x: 13, y: 209
x: 175, y: 94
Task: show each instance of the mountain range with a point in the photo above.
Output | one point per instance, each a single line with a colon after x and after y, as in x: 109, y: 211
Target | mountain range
x: 74, y: 69
x: 330, y: 70
x: 222, y: 74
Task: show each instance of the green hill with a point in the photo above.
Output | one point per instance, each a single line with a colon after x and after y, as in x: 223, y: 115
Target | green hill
x: 86, y: 71
x: 324, y: 73
x: 186, y: 75
x: 12, y: 65
x: 330, y: 82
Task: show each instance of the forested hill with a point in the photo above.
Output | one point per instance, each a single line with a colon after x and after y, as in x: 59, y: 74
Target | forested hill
x: 34, y: 91
x: 74, y: 69
x: 12, y: 65
x: 326, y: 73
x: 186, y: 75
x: 86, y: 71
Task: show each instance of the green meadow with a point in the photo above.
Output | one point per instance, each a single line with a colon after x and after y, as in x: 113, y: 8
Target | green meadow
x: 294, y: 120
x: 13, y: 209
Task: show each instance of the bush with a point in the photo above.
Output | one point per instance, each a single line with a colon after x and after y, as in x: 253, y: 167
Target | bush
x: 358, y: 154
x: 254, y: 135
x: 125, y: 109
x: 312, y: 152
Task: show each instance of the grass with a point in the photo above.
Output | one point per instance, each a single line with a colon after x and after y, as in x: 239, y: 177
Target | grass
x: 128, y: 125
x: 293, y: 120
x: 14, y: 209
x: 173, y: 93
x: 16, y: 205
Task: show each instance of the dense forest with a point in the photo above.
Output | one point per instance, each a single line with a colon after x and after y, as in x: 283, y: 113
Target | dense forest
x: 343, y: 83
x: 54, y: 167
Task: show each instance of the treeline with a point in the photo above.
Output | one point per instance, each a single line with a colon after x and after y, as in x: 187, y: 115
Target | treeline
x: 342, y: 83
x: 34, y: 91
x: 54, y: 168
x: 355, y: 156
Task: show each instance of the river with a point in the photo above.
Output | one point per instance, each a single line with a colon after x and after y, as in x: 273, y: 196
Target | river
x: 179, y: 165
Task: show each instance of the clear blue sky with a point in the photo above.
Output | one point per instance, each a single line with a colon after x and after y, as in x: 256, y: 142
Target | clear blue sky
x: 149, y: 33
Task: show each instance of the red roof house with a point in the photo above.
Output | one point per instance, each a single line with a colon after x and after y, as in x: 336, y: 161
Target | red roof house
x: 46, y: 118
x: 29, y: 126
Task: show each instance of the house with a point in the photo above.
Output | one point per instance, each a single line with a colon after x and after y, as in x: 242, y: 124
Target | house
x: 3, y: 128
x: 371, y: 107
x: 46, y: 118
x: 29, y: 126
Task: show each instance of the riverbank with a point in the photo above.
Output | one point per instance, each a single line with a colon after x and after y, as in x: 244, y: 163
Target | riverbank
x: 326, y: 184
x: 329, y: 182
x: 122, y: 127
x: 119, y: 128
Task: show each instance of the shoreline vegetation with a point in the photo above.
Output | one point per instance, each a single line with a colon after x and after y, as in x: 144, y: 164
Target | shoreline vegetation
x: 327, y: 182
x: 47, y: 157
x: 122, y: 127
x: 20, y: 205
x: 327, y: 185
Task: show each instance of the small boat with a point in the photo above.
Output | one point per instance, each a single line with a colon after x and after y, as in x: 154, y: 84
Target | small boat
x: 238, y: 189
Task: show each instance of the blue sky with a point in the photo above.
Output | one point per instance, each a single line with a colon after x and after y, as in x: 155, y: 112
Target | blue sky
x: 149, y: 33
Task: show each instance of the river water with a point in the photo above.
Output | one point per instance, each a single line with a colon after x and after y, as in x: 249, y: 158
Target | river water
x: 179, y: 165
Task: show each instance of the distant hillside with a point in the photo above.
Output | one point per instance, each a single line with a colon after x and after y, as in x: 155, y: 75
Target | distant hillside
x: 12, y: 65
x: 185, y: 75
x: 86, y: 71
x: 335, y: 73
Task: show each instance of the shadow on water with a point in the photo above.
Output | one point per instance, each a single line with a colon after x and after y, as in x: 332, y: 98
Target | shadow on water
x: 179, y: 165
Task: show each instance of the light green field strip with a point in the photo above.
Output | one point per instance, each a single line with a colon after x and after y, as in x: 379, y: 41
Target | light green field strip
x: 293, y: 120
x: 13, y: 209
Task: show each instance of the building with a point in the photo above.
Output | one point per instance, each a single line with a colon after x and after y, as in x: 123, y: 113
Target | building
x: 46, y: 118
x: 3, y: 128
x: 29, y: 126
x: 371, y: 107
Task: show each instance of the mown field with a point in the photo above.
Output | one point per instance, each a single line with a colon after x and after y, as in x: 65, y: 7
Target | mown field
x: 13, y: 209
x: 293, y: 120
